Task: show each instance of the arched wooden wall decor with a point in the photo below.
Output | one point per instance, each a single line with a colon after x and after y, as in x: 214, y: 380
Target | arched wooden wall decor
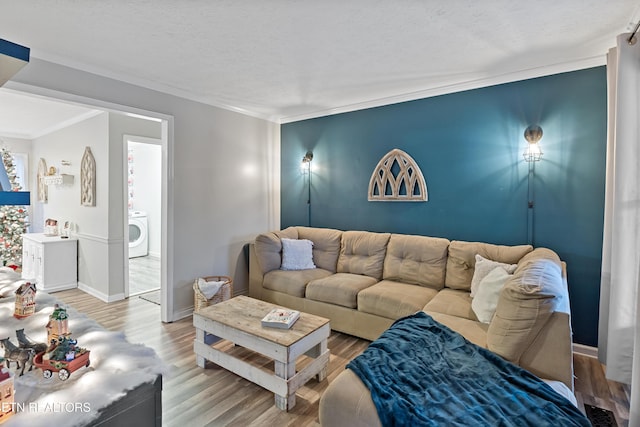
x: 88, y: 179
x: 397, y: 178
x: 43, y: 189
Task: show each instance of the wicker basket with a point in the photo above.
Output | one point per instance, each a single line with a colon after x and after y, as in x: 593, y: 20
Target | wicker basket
x: 224, y: 293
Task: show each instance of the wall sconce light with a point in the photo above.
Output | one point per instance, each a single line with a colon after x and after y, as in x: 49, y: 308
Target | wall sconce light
x: 306, y: 162
x: 533, y: 134
x: 532, y: 154
x: 306, y: 169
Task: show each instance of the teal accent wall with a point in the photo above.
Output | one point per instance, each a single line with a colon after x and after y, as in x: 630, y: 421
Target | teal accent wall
x: 469, y: 147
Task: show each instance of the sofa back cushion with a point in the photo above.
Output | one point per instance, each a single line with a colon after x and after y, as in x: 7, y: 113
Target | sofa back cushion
x: 362, y: 252
x: 537, y: 289
x: 462, y: 260
x: 326, y: 246
x: 269, y: 248
x: 417, y: 260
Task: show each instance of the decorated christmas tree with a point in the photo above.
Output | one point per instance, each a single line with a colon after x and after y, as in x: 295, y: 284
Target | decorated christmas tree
x: 13, y: 219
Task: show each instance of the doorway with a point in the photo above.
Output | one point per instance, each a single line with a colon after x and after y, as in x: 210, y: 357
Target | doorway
x: 143, y: 178
x: 112, y: 244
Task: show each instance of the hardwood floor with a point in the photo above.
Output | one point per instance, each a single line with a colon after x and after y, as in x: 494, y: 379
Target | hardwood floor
x: 215, y: 397
x: 593, y: 388
x: 144, y: 274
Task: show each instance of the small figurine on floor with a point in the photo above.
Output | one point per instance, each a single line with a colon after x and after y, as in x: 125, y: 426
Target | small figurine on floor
x: 7, y: 392
x: 25, y: 304
x: 21, y: 356
x: 63, y: 357
x: 58, y: 325
x: 25, y: 342
x: 65, y: 349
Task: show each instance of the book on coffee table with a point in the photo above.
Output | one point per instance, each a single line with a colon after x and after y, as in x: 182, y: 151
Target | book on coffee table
x: 280, y: 318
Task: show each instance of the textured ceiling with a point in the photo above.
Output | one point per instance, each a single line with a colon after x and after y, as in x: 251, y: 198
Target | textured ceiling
x: 286, y: 59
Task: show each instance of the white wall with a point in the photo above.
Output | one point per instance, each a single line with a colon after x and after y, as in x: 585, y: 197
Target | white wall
x: 90, y: 223
x: 64, y: 200
x: 224, y: 178
x: 146, y: 185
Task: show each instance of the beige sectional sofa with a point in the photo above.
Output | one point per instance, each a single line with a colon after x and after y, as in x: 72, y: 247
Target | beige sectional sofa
x: 363, y: 281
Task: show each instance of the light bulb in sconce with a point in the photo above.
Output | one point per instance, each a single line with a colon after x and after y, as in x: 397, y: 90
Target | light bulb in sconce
x: 306, y: 162
x: 533, y: 134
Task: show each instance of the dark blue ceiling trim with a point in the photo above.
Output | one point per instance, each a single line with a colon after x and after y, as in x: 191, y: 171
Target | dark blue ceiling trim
x: 14, y: 50
x: 18, y: 198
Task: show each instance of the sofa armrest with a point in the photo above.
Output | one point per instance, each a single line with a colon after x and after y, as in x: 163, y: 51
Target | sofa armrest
x: 532, y: 324
x: 256, y: 276
x: 550, y: 355
x: 347, y: 403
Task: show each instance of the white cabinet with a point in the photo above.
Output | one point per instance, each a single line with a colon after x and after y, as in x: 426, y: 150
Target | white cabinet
x: 50, y: 261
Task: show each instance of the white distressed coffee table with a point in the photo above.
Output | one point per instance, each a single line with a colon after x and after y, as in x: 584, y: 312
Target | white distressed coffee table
x: 238, y: 320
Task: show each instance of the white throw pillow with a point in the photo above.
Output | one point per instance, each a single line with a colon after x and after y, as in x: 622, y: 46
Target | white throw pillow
x: 485, y: 266
x: 486, y: 300
x: 297, y: 254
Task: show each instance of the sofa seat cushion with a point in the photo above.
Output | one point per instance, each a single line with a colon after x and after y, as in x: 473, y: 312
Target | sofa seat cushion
x: 418, y: 260
x: 339, y: 289
x: 473, y: 331
x: 326, y: 245
x: 363, y: 252
x: 462, y: 260
x: 394, y: 299
x: 292, y: 282
x: 452, y: 302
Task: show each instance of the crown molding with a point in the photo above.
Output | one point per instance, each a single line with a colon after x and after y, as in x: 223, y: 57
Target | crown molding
x: 58, y: 126
x: 147, y: 84
x: 66, y: 123
x: 453, y: 87
x: 16, y: 135
x: 456, y: 87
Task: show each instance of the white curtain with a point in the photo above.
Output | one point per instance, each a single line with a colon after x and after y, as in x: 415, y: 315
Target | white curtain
x: 619, y: 331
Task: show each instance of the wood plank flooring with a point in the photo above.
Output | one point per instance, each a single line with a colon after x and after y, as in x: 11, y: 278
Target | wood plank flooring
x: 593, y: 388
x: 215, y: 397
x: 144, y: 274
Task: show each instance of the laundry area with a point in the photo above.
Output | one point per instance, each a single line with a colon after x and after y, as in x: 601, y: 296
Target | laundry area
x: 144, y: 214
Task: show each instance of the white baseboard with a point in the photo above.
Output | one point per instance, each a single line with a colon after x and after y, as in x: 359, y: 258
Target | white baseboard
x: 183, y: 313
x: 56, y: 288
x: 189, y: 311
x: 101, y: 296
x: 585, y: 350
x: 155, y: 255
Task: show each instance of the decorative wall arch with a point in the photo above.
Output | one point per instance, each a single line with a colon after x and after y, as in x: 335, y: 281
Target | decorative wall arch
x: 397, y: 178
x: 43, y: 189
x: 88, y: 179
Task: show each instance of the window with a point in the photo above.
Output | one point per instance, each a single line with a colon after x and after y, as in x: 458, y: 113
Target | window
x: 21, y: 163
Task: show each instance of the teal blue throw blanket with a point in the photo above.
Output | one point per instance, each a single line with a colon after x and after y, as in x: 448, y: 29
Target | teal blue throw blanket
x: 421, y: 373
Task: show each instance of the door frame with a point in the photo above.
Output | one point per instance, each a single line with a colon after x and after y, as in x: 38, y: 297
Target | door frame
x: 126, y: 138
x: 167, y: 311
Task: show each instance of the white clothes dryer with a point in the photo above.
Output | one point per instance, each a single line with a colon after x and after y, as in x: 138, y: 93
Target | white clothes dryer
x: 138, y: 234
